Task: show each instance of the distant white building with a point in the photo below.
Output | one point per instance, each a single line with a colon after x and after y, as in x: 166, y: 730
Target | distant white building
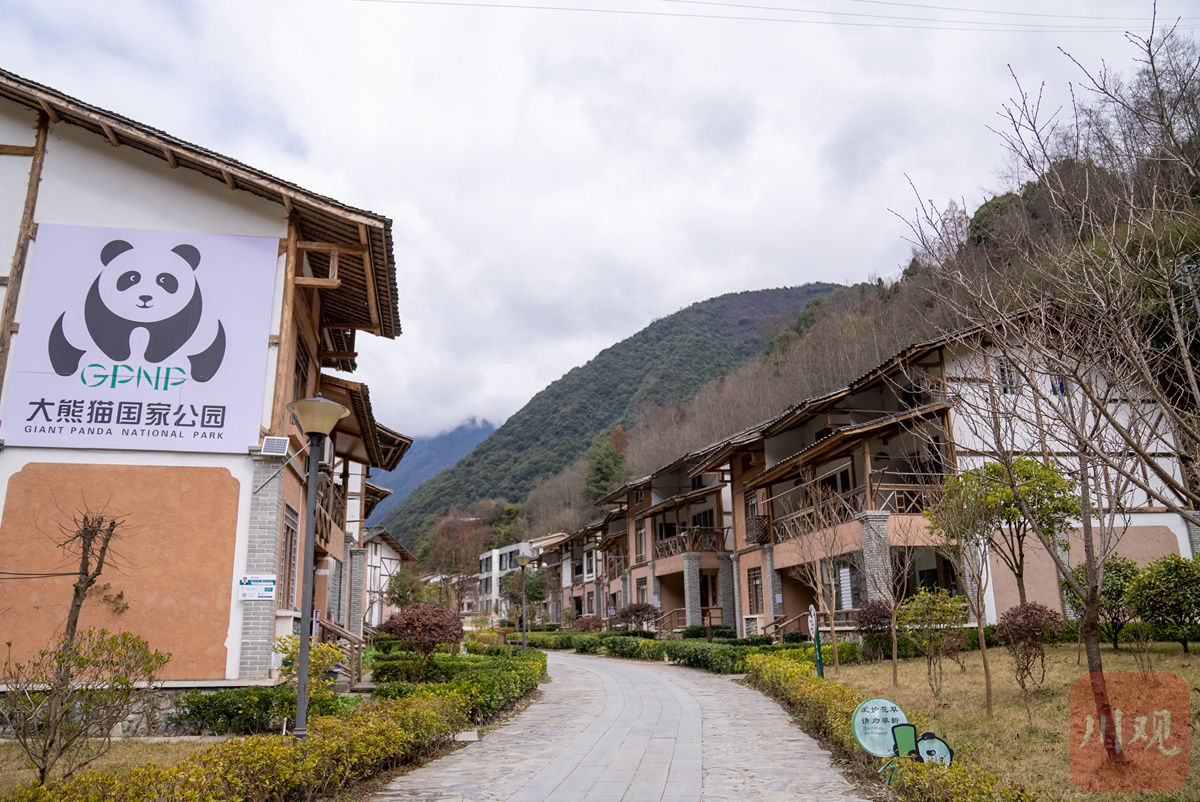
x: 385, y: 556
x: 493, y: 566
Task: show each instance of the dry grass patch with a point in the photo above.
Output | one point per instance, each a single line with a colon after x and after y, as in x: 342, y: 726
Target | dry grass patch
x: 1038, y: 757
x: 123, y: 755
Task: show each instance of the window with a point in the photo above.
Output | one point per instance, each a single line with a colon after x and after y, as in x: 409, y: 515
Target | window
x: 638, y: 495
x: 1010, y: 380
x: 665, y: 530
x: 289, y: 552
x: 641, y: 592
x: 640, y: 542
x: 589, y: 559
x: 704, y: 519
x: 755, y: 587
x: 486, y: 586
x: 697, y: 482
x: 591, y: 602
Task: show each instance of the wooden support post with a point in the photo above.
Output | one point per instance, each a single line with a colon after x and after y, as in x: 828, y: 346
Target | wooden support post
x: 869, y: 501
x: 108, y: 132
x: 369, y: 277
x: 170, y: 154
x: 17, y: 271
x: 285, y: 359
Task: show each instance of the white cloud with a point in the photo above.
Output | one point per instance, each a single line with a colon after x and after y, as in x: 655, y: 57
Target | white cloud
x: 558, y: 180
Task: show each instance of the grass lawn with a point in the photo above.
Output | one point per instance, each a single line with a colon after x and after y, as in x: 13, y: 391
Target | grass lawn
x: 1039, y: 756
x: 123, y: 755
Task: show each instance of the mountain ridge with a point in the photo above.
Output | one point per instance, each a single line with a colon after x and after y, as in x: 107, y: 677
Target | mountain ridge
x: 670, y: 359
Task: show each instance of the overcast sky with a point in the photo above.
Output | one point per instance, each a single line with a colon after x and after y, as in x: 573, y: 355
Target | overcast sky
x: 561, y: 178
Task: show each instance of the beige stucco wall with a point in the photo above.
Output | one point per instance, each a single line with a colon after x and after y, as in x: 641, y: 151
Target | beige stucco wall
x: 173, y: 561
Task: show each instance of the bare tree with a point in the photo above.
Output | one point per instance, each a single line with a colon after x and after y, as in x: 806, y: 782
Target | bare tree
x: 62, y: 704
x: 965, y: 520
x: 894, y: 586
x: 458, y: 539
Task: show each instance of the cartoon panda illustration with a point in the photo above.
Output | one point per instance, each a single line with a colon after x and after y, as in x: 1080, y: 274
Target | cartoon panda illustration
x: 146, y: 290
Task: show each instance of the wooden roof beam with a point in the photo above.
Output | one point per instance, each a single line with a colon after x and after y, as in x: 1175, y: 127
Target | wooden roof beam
x: 170, y: 154
x: 369, y: 276
x: 228, y: 178
x: 108, y: 132
x: 50, y: 112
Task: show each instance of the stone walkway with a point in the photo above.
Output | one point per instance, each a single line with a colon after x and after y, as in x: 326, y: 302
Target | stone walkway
x: 606, y: 730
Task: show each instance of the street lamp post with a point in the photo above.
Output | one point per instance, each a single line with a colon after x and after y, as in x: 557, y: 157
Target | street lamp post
x: 317, y: 417
x: 523, y: 560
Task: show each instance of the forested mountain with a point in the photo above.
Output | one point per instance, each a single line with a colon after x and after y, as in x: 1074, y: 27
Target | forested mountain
x: 668, y: 361
x: 427, y: 457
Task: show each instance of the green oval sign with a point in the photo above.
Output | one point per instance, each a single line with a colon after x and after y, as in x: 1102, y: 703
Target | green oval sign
x: 872, y: 725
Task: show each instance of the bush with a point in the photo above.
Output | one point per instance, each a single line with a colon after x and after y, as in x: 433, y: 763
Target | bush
x: 422, y: 628
x: 697, y: 631
x: 588, y: 644
x: 588, y: 623
x: 1167, y: 593
x: 507, y: 623
x: 232, y: 711
x: 1024, y: 630
x: 935, y: 622
x: 638, y: 614
x: 1116, y: 608
x: 875, y: 626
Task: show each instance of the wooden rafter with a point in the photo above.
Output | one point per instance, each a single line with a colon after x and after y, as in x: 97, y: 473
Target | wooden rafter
x: 170, y: 154
x: 108, y: 132
x: 369, y: 276
x: 50, y: 112
x: 17, y: 150
x: 228, y: 179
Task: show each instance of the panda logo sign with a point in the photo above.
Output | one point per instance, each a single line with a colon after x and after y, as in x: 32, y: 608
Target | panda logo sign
x: 151, y: 291
x: 141, y: 339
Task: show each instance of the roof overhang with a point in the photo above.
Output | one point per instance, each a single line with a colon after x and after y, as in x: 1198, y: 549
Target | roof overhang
x: 840, y: 438
x: 357, y: 436
x: 680, y: 500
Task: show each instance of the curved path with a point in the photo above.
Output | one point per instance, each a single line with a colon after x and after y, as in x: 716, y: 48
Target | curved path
x: 608, y: 730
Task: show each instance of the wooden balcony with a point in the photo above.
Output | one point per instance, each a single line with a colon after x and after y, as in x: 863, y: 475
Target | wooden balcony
x: 617, y: 564
x: 758, y: 529
x: 691, y: 540
x: 910, y: 497
x: 331, y: 513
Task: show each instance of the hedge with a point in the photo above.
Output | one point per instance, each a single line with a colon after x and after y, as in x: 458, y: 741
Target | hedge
x: 825, y: 707
x: 486, y: 685
x: 339, y: 750
x: 272, y: 768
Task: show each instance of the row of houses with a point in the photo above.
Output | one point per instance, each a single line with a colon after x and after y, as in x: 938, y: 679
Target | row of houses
x: 736, y: 533
x: 161, y: 307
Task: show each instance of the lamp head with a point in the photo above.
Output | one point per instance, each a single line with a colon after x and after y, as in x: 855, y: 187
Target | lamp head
x: 317, y: 415
x: 524, y: 560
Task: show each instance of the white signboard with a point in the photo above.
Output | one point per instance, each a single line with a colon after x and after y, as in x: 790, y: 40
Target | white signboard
x: 256, y: 587
x: 148, y: 340
x: 812, y: 623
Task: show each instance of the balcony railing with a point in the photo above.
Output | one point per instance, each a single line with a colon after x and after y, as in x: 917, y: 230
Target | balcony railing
x: 351, y: 646
x: 577, y: 580
x: 331, y: 510
x: 617, y: 564
x: 693, y: 540
x: 758, y: 529
x: 913, y: 496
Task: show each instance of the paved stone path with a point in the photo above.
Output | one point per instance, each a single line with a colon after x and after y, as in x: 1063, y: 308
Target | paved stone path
x: 606, y: 730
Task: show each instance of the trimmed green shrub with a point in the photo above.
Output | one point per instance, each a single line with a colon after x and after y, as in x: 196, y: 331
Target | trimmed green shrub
x: 697, y: 631
x: 588, y: 644
x: 231, y: 711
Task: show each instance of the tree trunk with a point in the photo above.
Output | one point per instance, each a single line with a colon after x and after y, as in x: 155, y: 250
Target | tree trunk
x: 1020, y: 575
x: 895, y: 650
x: 1088, y: 626
x: 987, y: 672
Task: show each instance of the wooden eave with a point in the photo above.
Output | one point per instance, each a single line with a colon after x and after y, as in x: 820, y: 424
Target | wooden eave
x: 372, y: 495
x: 616, y: 497
x: 366, y: 295
x: 379, y: 533
x: 681, y: 499
x: 357, y: 435
x: 392, y: 446
x: 838, y: 439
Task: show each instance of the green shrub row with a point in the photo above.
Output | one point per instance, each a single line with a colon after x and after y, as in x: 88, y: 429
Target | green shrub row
x: 721, y: 658
x: 249, y: 711
x: 486, y: 685
x: 825, y: 708
x: 270, y: 768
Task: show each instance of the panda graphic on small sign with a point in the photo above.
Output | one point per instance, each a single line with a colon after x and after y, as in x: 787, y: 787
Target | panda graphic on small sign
x: 141, y: 339
x: 156, y: 292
